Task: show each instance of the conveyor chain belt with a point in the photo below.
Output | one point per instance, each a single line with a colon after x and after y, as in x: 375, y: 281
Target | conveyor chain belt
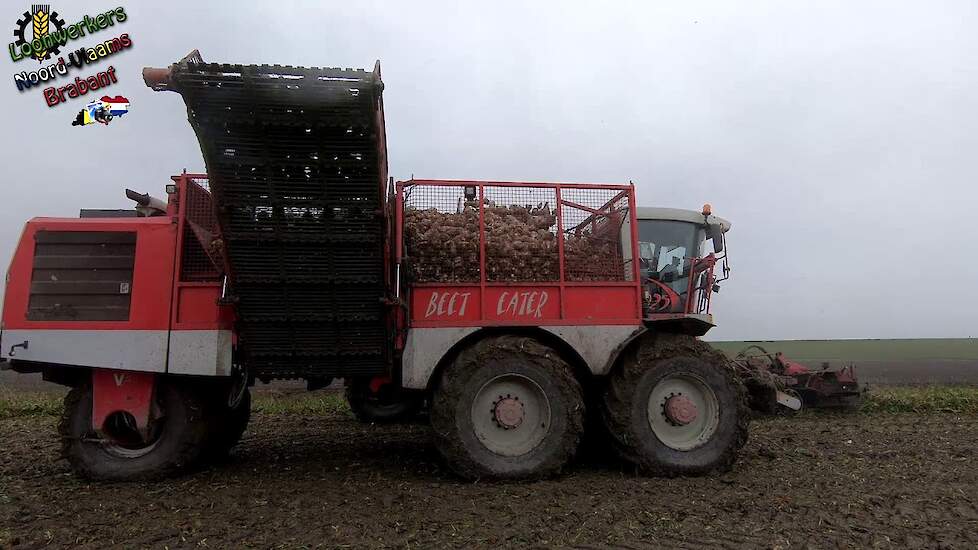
x: 296, y: 161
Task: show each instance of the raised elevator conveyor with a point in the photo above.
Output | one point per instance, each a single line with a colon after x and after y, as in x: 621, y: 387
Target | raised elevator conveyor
x: 296, y: 159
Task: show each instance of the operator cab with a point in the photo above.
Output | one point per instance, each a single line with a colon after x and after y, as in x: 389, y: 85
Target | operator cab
x: 676, y: 260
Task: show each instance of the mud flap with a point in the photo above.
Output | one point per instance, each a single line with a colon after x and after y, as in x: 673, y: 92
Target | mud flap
x: 118, y: 390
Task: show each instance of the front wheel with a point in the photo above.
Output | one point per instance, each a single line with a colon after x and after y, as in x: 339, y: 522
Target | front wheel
x: 175, y: 440
x: 675, y: 408
x: 508, y: 408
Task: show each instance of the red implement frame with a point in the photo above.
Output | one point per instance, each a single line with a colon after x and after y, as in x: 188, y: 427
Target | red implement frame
x: 122, y: 391
x: 578, y: 293
x: 197, y: 281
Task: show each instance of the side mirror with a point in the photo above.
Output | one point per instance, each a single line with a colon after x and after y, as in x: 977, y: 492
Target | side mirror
x: 715, y: 232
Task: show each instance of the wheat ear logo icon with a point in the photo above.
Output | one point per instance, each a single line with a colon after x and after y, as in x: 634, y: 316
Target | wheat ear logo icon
x: 41, y: 21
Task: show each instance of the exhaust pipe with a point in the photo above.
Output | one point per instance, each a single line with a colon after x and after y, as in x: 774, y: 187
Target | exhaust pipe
x: 146, y: 205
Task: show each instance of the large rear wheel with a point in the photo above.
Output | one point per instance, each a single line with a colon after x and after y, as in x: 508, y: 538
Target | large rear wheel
x: 674, y: 407
x: 509, y: 408
x: 175, y: 438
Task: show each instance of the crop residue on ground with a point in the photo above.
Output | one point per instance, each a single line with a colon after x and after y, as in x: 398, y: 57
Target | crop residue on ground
x: 307, y: 474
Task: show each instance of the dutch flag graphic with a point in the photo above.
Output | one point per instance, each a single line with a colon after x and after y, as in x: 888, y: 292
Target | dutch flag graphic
x: 115, y: 106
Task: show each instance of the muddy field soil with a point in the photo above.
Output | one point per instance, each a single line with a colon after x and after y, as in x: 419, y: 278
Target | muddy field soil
x: 818, y: 480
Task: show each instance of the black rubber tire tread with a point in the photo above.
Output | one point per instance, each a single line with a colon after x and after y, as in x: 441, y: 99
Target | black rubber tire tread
x: 182, y: 441
x: 226, y: 427
x: 365, y: 411
x: 659, y: 351
x: 461, y: 380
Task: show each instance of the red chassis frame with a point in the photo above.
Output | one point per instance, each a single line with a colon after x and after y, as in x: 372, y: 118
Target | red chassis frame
x: 160, y: 300
x: 553, y: 303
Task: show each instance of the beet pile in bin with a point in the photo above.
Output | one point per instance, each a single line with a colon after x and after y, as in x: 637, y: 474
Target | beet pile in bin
x: 521, y: 246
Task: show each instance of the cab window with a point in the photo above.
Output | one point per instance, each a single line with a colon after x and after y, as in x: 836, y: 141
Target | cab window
x: 665, y: 246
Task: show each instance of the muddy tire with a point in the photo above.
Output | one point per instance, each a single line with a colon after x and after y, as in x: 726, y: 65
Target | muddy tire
x: 507, y: 408
x: 675, y: 407
x: 226, y: 426
x: 180, y: 436
x: 390, y: 404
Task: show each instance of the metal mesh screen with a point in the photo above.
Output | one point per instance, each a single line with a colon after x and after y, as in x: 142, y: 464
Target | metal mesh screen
x: 201, y: 182
x: 441, y: 234
x: 201, y: 254
x: 521, y: 234
x: 592, y: 221
x: 195, y: 264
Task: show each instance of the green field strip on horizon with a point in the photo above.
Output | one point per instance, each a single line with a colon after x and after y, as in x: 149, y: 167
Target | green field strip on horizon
x: 924, y: 349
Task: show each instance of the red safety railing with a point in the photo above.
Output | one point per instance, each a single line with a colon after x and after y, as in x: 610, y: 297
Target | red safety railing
x: 495, y: 253
x: 199, y: 242
x: 665, y: 302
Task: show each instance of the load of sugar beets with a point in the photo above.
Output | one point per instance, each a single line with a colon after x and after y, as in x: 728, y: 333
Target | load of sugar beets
x: 521, y: 245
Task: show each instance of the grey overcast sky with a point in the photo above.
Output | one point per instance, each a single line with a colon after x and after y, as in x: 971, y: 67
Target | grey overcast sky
x: 839, y: 137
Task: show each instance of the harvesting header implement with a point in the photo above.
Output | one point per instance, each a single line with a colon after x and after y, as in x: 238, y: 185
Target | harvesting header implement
x: 775, y: 381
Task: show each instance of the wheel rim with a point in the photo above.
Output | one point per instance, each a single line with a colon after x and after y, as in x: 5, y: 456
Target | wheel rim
x: 239, y: 385
x: 121, y: 438
x: 511, y: 415
x: 683, y: 411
